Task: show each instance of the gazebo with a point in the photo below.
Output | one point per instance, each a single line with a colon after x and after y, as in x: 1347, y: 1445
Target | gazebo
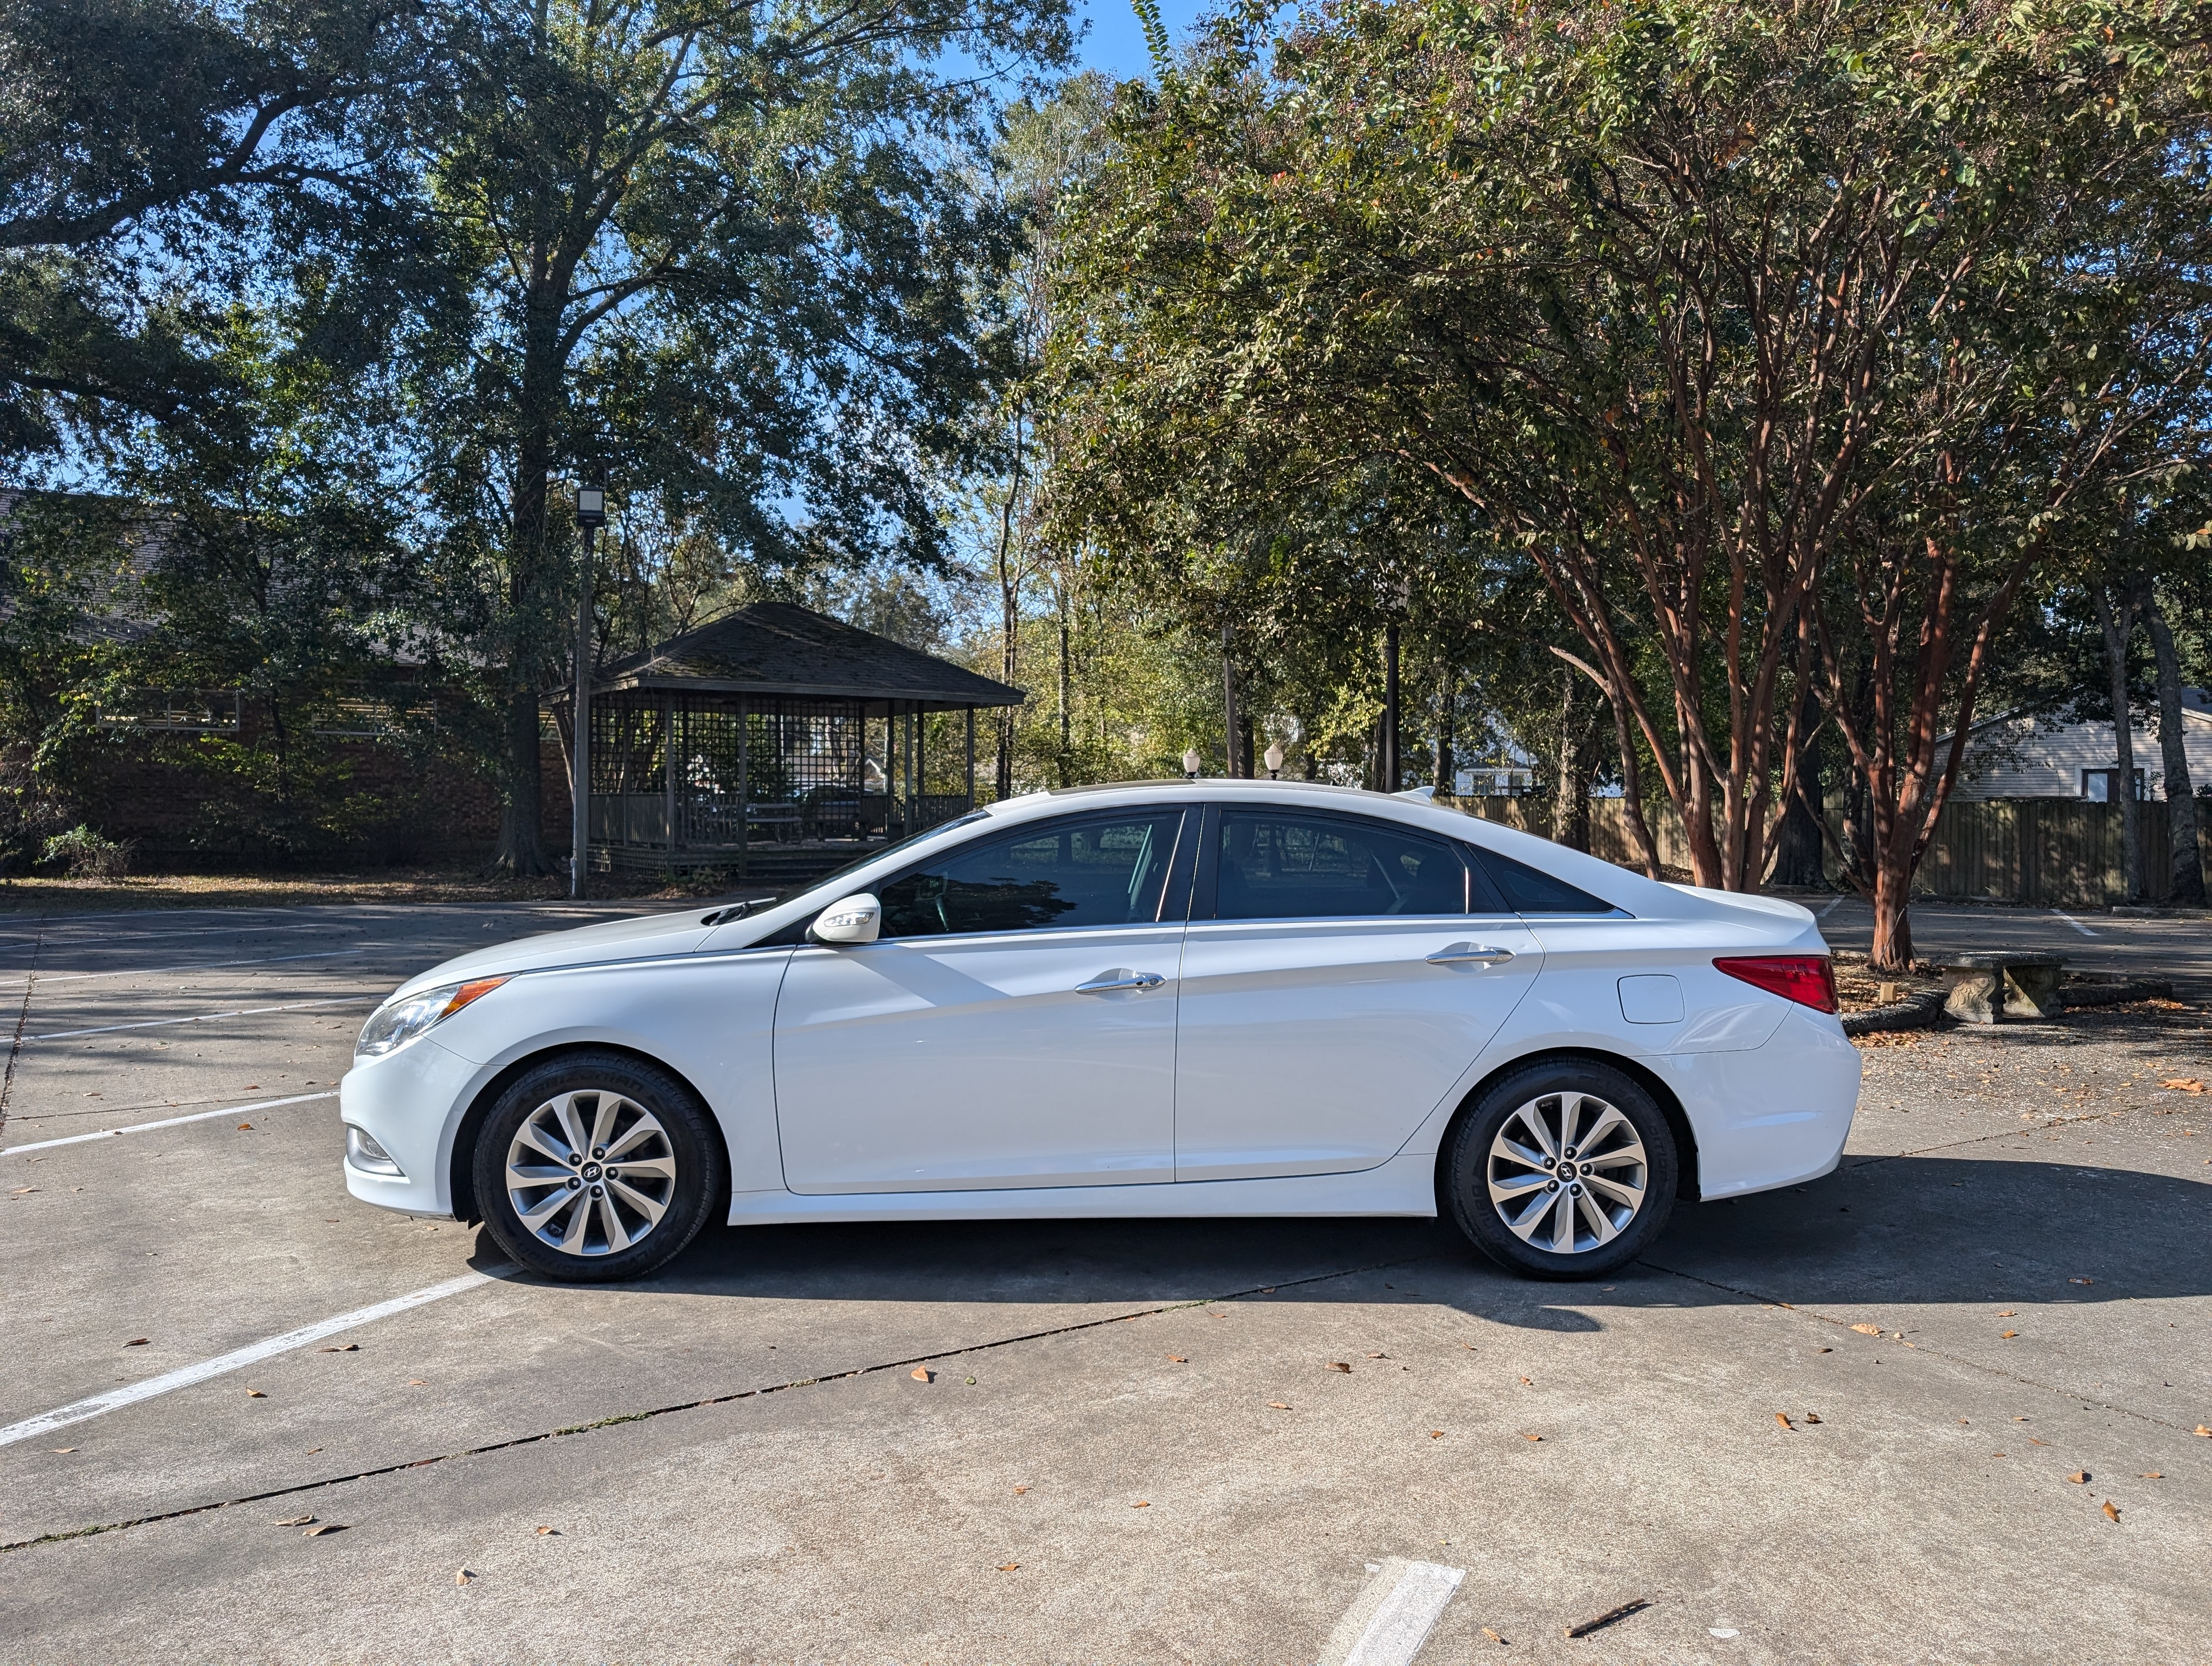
x: 777, y: 742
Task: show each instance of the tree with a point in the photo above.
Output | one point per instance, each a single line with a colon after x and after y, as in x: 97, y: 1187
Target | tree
x: 726, y: 254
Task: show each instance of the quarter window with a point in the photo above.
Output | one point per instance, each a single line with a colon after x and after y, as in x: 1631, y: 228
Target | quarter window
x: 1531, y: 890
x: 1275, y: 866
x: 1102, y: 871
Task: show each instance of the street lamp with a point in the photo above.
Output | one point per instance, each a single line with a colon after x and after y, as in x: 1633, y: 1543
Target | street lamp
x: 591, y: 515
x: 1192, y: 762
x: 1274, y: 759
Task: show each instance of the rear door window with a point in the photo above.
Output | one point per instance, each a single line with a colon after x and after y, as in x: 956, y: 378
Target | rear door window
x: 1272, y: 865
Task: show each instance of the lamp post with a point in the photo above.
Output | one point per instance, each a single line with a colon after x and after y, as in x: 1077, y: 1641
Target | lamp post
x: 1192, y: 762
x: 591, y: 515
x: 1274, y: 759
x: 1390, y: 778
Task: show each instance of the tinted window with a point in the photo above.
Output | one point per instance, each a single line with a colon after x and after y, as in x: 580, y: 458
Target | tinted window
x: 1101, y: 871
x: 1529, y: 891
x: 1276, y: 867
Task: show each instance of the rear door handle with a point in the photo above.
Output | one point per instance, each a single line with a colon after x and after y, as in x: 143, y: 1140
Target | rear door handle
x: 1118, y: 979
x: 1456, y: 954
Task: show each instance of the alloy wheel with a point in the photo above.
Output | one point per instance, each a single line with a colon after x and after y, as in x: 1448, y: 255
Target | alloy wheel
x: 591, y: 1173
x: 1567, y: 1173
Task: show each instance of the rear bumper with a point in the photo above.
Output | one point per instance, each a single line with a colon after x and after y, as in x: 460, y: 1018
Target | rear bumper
x: 410, y: 1104
x: 1773, y: 1115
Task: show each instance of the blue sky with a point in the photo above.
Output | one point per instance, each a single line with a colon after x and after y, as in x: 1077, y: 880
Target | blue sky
x: 1115, y: 43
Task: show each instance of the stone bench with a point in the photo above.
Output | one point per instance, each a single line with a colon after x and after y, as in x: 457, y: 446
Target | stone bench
x: 1988, y: 988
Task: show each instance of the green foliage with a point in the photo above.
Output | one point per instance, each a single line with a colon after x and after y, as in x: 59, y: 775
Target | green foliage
x: 85, y: 855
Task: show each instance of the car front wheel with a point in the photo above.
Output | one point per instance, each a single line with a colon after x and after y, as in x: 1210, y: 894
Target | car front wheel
x: 1562, y: 1169
x: 593, y: 1167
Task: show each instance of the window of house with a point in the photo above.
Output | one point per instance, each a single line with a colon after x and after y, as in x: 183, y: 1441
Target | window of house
x: 2098, y: 786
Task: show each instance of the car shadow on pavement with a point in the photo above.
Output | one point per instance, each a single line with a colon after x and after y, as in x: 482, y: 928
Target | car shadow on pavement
x: 1913, y: 1230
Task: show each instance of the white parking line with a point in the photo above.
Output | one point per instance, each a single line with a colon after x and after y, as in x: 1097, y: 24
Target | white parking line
x: 1830, y: 907
x: 170, y: 1121
x: 2072, y: 922
x: 237, y: 1359
x: 202, y: 1017
x: 1396, y: 1610
x: 195, y: 966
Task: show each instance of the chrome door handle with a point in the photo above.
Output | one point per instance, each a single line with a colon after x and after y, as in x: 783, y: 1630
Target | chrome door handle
x: 1458, y: 953
x: 1120, y: 980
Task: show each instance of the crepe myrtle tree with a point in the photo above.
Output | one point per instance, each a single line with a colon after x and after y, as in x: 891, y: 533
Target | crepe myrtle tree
x: 728, y: 253
x: 1680, y: 294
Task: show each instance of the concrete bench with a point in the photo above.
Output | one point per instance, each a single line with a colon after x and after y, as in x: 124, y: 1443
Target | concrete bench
x: 1986, y: 988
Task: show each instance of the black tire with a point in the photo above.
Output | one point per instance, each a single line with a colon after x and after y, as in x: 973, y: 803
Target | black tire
x: 1548, y: 1089
x: 670, y: 1127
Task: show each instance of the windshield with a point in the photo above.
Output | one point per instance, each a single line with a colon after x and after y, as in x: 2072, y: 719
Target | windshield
x: 883, y: 850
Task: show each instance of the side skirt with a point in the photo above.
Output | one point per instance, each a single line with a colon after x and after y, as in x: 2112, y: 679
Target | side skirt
x: 1403, y: 1186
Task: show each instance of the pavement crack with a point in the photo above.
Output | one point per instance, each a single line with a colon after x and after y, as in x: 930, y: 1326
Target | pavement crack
x: 616, y: 1418
x: 1819, y: 1317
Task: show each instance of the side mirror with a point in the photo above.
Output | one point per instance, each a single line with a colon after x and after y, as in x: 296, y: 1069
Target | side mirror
x: 854, y: 920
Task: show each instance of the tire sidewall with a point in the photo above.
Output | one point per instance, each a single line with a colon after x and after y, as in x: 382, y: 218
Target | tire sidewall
x: 699, y: 1180
x: 1466, y: 1170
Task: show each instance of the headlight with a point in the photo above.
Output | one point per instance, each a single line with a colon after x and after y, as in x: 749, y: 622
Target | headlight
x: 396, y: 1023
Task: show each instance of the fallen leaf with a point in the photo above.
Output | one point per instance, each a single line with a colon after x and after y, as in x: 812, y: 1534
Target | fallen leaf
x: 2080, y: 1281
x: 1378, y: 1356
x: 2152, y: 1474
x: 415, y: 1382
x: 63, y: 1448
x: 1812, y: 1417
x: 922, y: 1374
x: 1279, y: 1405
x: 1018, y: 1491
x: 246, y: 1128
x: 255, y: 1393
x: 548, y: 1532
x: 1141, y: 1504
x: 1436, y: 1434
x: 2201, y: 1430
x: 2007, y: 1336
x: 2185, y: 1083
x: 1867, y: 1330
x: 1008, y: 1567
x: 1526, y: 1380
x: 2079, y: 1476
x: 1492, y: 1635
x: 2112, y: 1514
x: 1783, y: 1418
x: 2032, y: 1441
x: 340, y: 1347
x: 462, y: 1576
x: 1179, y: 1358
x: 249, y: 1087
x: 1339, y: 1365
x: 321, y: 1528
x: 1525, y: 1435
x: 291, y: 1521
x: 2008, y: 1314
x: 137, y: 1342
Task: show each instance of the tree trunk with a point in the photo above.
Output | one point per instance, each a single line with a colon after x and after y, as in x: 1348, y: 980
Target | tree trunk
x: 1893, y: 918
x: 2185, y: 876
x: 1798, y: 859
x: 1571, y: 812
x: 2115, y: 617
x: 1446, y: 758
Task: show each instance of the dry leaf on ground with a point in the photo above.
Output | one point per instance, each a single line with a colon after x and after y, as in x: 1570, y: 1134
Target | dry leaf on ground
x: 340, y: 1347
x: 1526, y: 1380
x: 2184, y: 1085
x: 1378, y: 1356
x: 1867, y: 1330
x: 543, y: 1532
x: 1178, y: 1358
x: 321, y: 1528
x: 1812, y: 1417
x: 246, y: 1128
x: 922, y: 1374
x: 2008, y: 1314
x: 255, y: 1393
x: 1279, y: 1405
x: 462, y: 1576
x: 2111, y: 1512
x: 2152, y: 1474
x: 1008, y: 1567
x: 2201, y: 1430
x: 1339, y: 1365
x: 1436, y: 1434
x: 1525, y: 1435
x: 2007, y: 1336
x: 292, y: 1521
x: 415, y: 1382
x: 62, y: 1449
x: 137, y: 1342
x: 1018, y: 1491
x: 2079, y: 1477
x: 1141, y: 1504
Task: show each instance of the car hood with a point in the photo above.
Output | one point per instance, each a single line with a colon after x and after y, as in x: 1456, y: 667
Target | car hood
x: 642, y: 938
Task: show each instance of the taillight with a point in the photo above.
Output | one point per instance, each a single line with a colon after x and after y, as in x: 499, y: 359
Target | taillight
x: 1808, y: 979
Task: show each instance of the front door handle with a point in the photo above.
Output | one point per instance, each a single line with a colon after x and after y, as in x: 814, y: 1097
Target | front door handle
x: 1119, y: 979
x: 1456, y: 954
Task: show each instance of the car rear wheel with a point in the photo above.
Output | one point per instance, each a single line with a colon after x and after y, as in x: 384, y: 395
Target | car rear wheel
x: 593, y: 1167
x: 1562, y: 1169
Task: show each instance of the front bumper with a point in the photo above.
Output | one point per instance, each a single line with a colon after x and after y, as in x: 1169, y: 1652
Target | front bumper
x: 410, y: 1102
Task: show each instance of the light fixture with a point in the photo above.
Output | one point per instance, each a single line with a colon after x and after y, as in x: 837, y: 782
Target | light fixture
x: 1273, y: 758
x: 1192, y: 762
x: 591, y: 506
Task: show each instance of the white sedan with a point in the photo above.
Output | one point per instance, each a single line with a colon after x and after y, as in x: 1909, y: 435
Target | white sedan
x: 1183, y: 998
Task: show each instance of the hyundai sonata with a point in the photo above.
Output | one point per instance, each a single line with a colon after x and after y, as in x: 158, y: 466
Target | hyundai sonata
x: 1187, y: 998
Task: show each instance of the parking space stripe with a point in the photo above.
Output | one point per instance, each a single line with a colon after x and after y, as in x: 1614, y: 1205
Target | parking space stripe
x: 2076, y: 924
x: 237, y: 1359
x: 202, y: 1017
x: 170, y: 1121
x: 1394, y: 1615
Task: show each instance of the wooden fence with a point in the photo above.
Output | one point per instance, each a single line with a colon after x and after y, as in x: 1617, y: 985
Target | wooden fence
x: 2053, y: 853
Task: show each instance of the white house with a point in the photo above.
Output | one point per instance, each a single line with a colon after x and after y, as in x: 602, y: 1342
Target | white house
x: 2059, y: 756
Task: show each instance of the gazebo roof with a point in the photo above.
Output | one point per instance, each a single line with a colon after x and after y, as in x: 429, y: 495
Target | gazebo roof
x: 776, y: 648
